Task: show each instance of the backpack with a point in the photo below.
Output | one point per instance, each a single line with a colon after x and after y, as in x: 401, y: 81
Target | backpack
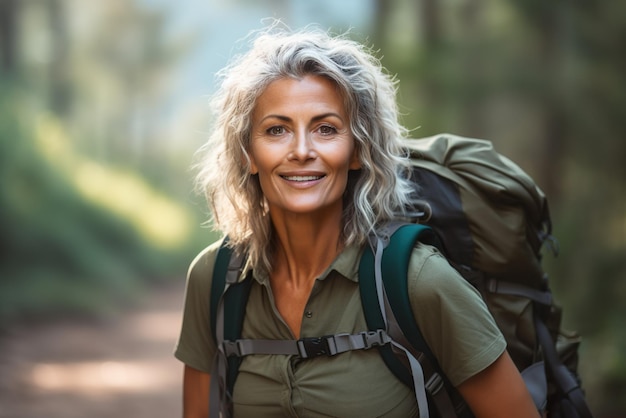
x: 490, y: 220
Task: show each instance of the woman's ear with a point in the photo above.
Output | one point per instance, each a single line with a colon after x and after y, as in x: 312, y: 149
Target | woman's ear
x: 355, y: 162
x: 253, y: 167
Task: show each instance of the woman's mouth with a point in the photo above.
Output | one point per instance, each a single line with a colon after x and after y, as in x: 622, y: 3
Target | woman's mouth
x: 302, y: 178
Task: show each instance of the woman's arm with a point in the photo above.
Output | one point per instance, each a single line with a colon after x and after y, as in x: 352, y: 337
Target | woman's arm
x: 195, y: 393
x: 499, y: 391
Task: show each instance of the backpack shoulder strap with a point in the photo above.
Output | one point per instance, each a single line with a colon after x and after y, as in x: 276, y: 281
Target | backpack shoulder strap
x: 394, y: 273
x: 235, y: 293
x: 399, y: 319
x: 228, y: 301
x: 218, y: 282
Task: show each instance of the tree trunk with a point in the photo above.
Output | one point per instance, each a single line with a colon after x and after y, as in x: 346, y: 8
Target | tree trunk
x: 431, y: 23
x: 8, y: 36
x: 60, y: 83
x: 382, y: 10
x: 472, y: 96
x: 547, y: 18
x: 555, y: 128
x: 432, y: 85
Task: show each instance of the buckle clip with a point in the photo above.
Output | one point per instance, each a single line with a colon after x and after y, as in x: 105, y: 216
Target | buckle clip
x: 313, y: 347
x: 374, y: 338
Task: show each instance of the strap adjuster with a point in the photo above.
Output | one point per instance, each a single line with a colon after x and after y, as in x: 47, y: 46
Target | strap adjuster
x: 232, y: 348
x: 434, y: 384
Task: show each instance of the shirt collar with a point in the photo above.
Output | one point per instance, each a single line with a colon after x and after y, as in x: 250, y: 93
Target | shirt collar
x: 346, y: 264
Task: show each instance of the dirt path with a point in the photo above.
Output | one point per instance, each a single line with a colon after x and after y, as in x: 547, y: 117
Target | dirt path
x: 121, y: 368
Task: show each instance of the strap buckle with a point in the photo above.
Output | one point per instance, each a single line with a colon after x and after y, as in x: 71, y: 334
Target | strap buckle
x: 374, y: 338
x: 314, y: 347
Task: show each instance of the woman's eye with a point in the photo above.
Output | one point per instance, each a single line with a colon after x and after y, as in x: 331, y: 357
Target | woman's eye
x: 276, y: 130
x: 327, y: 130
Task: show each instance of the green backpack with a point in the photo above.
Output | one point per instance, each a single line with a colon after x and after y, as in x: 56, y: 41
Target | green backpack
x: 491, y: 221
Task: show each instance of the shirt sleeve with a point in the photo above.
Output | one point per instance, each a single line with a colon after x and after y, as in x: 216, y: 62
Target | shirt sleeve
x: 196, y: 346
x: 452, y: 316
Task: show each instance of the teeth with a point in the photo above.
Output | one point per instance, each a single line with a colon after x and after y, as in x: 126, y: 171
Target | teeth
x: 302, y: 178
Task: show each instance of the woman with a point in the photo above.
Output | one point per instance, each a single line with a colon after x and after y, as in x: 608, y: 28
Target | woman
x: 305, y: 161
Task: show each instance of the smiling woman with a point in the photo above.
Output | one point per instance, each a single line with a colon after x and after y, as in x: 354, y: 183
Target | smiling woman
x: 305, y: 163
x: 302, y: 148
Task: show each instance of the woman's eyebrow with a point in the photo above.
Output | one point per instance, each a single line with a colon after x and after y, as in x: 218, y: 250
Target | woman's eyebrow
x: 314, y: 119
x: 326, y: 115
x: 273, y: 116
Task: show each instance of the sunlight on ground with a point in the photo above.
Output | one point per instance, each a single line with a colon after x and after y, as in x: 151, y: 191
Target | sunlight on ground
x: 157, y: 326
x: 121, y: 367
x: 148, y: 364
x: 99, y: 377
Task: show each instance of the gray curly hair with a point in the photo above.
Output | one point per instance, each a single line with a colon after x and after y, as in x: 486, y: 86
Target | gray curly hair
x: 376, y: 193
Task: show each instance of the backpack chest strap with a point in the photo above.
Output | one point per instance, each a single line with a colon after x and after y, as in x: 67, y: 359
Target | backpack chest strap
x: 329, y: 345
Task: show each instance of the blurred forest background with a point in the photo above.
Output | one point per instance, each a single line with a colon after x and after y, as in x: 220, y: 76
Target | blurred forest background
x: 104, y: 103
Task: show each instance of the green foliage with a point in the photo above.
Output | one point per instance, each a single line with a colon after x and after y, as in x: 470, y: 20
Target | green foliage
x: 62, y: 254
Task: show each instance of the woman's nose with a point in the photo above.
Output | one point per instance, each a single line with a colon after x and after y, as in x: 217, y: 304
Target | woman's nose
x: 302, y: 148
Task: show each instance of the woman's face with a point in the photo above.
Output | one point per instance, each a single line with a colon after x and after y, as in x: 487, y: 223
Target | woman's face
x: 301, y: 145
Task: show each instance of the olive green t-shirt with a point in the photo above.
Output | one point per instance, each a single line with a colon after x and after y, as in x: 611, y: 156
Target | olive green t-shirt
x: 451, y: 314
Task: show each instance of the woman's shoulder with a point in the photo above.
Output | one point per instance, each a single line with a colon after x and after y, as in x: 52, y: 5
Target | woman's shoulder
x: 430, y: 273
x: 426, y: 257
x: 452, y: 316
x: 201, y: 268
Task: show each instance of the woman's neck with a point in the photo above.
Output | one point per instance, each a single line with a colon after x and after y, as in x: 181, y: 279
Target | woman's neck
x: 306, y: 246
